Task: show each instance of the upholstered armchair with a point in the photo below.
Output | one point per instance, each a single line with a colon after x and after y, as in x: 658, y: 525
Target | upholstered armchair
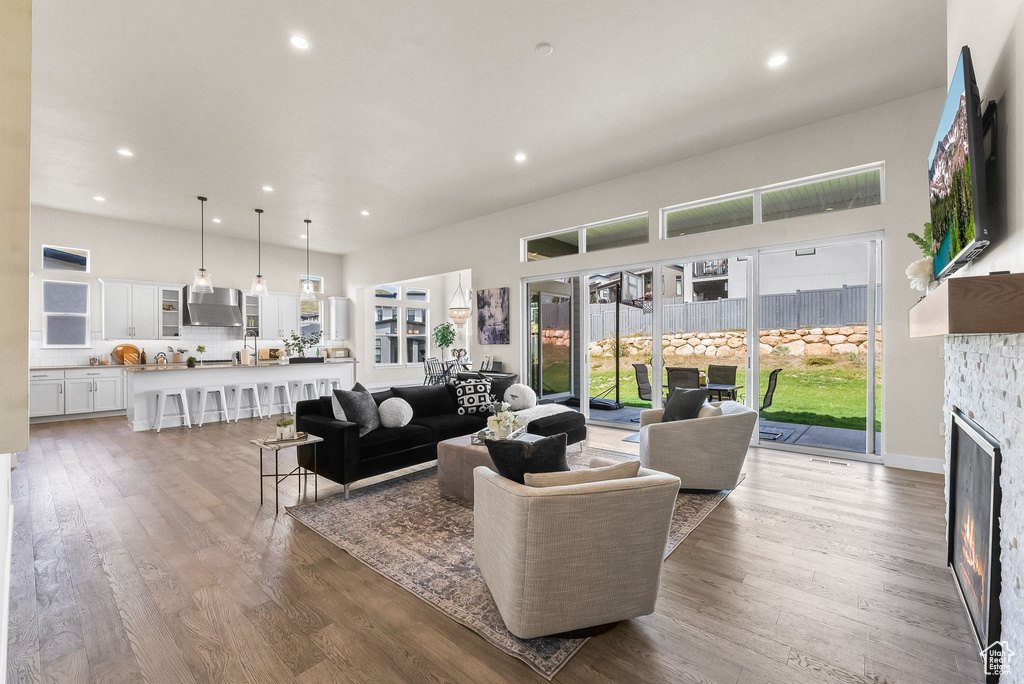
x: 704, y: 453
x: 563, y: 558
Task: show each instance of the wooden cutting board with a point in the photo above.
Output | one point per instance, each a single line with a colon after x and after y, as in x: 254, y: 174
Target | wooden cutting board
x: 127, y: 354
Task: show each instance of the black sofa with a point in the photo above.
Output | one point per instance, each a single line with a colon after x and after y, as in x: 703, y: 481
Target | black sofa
x: 345, y: 457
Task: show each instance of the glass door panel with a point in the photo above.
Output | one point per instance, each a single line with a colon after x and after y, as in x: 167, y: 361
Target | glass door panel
x: 554, y: 369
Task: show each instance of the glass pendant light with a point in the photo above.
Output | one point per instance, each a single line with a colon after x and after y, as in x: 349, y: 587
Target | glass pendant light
x: 458, y: 307
x: 202, y: 283
x: 259, y: 283
x: 308, y: 293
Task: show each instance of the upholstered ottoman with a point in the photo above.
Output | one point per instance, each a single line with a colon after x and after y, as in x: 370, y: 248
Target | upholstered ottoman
x: 456, y: 459
x: 571, y: 422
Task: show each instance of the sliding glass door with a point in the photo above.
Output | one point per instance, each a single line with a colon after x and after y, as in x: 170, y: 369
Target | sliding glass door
x: 553, y: 369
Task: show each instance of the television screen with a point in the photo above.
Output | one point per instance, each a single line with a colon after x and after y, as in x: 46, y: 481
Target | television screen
x: 956, y: 172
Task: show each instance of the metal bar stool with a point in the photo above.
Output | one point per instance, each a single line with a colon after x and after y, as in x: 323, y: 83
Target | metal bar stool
x: 328, y: 385
x: 271, y: 389
x: 238, y: 391
x: 161, y: 405
x: 222, y: 399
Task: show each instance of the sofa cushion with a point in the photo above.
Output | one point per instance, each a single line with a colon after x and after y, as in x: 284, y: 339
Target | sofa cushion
x: 514, y: 458
x: 500, y: 384
x: 474, y: 396
x: 520, y: 397
x: 359, y: 408
x: 684, y: 404
x: 617, y: 471
x: 709, y: 411
x: 382, y: 396
x: 451, y: 425
x: 429, y: 400
x: 384, y: 441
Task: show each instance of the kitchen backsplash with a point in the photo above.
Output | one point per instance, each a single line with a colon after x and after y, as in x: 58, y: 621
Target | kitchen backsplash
x: 220, y: 343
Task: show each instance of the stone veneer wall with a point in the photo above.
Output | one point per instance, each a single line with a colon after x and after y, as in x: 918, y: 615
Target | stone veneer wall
x: 985, y: 380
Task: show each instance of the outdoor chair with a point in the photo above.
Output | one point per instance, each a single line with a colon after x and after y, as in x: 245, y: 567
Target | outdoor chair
x: 687, y: 378
x: 768, y: 396
x: 721, y: 375
x: 643, y: 381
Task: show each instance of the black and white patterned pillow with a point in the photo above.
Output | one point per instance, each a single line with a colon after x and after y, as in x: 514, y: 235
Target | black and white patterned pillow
x: 474, y: 396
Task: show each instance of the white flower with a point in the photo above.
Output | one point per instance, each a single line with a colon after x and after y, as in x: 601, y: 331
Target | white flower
x: 920, y: 273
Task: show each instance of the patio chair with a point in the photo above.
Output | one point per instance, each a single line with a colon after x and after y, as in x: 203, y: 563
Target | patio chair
x: 773, y: 379
x: 722, y: 375
x: 688, y: 378
x: 433, y: 372
x: 643, y: 382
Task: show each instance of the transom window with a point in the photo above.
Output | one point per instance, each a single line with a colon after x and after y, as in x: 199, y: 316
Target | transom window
x: 620, y: 232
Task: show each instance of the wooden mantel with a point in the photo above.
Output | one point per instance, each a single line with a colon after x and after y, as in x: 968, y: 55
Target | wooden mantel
x: 971, y: 305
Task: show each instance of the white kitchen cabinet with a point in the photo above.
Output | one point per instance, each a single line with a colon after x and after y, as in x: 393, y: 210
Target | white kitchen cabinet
x: 78, y: 396
x: 46, y: 398
x: 279, y: 316
x: 108, y: 394
x: 339, y: 317
x: 170, y: 312
x: 288, y: 313
x: 131, y: 310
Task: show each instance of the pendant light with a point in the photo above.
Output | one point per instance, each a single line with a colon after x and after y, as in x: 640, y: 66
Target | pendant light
x: 308, y: 291
x: 202, y: 283
x: 458, y: 307
x: 259, y: 283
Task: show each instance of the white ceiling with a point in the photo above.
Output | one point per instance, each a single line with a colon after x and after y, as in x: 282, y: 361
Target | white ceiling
x: 414, y: 110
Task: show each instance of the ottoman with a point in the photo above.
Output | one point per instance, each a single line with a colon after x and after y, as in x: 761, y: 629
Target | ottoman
x: 456, y: 459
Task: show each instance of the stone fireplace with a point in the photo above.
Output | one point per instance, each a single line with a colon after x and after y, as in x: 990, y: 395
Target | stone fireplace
x: 984, y: 379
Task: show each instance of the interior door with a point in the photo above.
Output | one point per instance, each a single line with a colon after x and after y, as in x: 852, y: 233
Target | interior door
x: 145, y: 304
x: 117, y: 310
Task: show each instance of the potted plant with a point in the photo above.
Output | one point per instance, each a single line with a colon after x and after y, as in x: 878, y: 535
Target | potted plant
x: 285, y: 428
x: 502, y: 421
x: 201, y: 348
x: 443, y: 336
x: 190, y: 362
x: 297, y: 345
x: 921, y: 272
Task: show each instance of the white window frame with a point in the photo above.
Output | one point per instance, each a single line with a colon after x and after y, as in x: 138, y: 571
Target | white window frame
x: 581, y: 235
x: 756, y: 193
x: 426, y: 329
x: 47, y: 315
x: 402, y: 305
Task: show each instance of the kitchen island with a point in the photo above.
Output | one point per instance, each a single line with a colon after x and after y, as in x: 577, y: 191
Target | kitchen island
x: 143, y: 382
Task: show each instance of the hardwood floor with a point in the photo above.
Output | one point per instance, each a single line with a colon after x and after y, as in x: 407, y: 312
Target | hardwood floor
x: 141, y: 557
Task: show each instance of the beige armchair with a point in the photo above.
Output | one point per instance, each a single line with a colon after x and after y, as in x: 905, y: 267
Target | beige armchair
x: 564, y: 558
x: 704, y: 453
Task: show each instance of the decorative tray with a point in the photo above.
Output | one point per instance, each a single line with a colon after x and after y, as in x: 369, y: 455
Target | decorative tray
x: 487, y: 433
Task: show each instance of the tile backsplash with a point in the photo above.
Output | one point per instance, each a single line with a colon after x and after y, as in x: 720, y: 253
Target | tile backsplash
x: 220, y: 343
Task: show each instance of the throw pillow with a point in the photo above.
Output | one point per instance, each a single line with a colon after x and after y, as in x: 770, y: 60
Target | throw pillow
x: 514, y: 458
x: 359, y: 408
x: 684, y: 404
x: 708, y: 411
x: 339, y: 413
x: 500, y: 385
x: 474, y: 396
x: 429, y: 400
x: 520, y: 397
x: 395, y: 413
x: 619, y: 471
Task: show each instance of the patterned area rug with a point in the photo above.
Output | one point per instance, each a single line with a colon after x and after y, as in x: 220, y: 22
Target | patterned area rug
x: 406, y: 531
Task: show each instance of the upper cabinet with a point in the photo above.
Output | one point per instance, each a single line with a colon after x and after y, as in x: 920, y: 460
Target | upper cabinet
x: 134, y: 311
x: 170, y: 312
x: 339, y: 317
x: 279, y: 316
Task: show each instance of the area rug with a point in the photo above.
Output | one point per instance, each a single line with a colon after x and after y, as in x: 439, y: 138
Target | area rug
x: 403, y: 529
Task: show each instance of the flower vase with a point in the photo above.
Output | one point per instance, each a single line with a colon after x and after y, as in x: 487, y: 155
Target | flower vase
x: 502, y: 432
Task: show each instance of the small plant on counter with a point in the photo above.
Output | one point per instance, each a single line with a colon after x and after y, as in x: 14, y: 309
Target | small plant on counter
x: 200, y: 348
x: 190, y: 362
x: 297, y: 345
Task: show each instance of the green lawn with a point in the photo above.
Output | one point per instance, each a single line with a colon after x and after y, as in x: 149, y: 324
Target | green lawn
x: 830, y: 395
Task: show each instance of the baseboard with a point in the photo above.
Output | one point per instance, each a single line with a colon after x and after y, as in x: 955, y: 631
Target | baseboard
x: 920, y: 463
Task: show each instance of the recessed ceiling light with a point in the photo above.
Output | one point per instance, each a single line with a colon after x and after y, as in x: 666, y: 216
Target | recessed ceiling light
x: 125, y: 152
x: 267, y: 188
x: 216, y: 220
x: 99, y: 199
x: 300, y: 42
x: 544, y: 49
x: 364, y: 212
x: 778, y: 60
x: 302, y: 237
x: 520, y: 157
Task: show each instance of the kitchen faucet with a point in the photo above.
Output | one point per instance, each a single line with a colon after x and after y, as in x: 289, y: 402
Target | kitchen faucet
x: 255, y: 343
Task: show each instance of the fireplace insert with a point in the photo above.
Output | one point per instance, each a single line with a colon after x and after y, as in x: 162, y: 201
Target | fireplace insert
x: 972, y: 530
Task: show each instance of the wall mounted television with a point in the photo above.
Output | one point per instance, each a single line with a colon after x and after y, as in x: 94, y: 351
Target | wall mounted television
x: 956, y: 175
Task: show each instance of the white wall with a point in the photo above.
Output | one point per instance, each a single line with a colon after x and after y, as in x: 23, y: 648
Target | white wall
x: 897, y: 133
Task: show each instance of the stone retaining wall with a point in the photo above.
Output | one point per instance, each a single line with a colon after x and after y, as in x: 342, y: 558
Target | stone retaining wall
x: 786, y: 342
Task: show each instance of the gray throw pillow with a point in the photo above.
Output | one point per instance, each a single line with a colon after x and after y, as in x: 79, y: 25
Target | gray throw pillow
x: 683, y: 404
x: 359, y: 408
x: 514, y: 458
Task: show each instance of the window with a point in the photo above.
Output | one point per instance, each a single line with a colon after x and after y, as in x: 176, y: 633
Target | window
x: 552, y: 246
x: 415, y: 335
x: 65, y: 314
x: 416, y: 294
x: 847, y: 189
x: 719, y: 268
x: 704, y: 218
x: 386, y: 332
x: 620, y: 233
x: 65, y: 259
x: 832, y: 194
x: 386, y: 292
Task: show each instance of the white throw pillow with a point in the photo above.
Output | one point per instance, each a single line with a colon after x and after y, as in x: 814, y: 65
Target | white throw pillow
x: 520, y: 396
x: 394, y: 412
x: 707, y: 411
x: 339, y: 413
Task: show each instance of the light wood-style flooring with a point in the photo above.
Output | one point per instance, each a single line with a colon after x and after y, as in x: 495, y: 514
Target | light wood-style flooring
x: 141, y: 557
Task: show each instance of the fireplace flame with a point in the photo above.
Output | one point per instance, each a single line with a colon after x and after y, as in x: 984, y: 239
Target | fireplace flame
x: 971, y: 560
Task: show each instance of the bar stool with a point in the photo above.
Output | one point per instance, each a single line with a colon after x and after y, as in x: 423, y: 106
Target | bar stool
x: 216, y: 391
x: 161, y: 405
x: 238, y: 391
x: 271, y: 389
x: 308, y: 389
x: 328, y: 385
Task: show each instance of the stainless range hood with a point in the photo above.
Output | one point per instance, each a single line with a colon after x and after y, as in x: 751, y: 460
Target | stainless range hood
x: 222, y: 308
